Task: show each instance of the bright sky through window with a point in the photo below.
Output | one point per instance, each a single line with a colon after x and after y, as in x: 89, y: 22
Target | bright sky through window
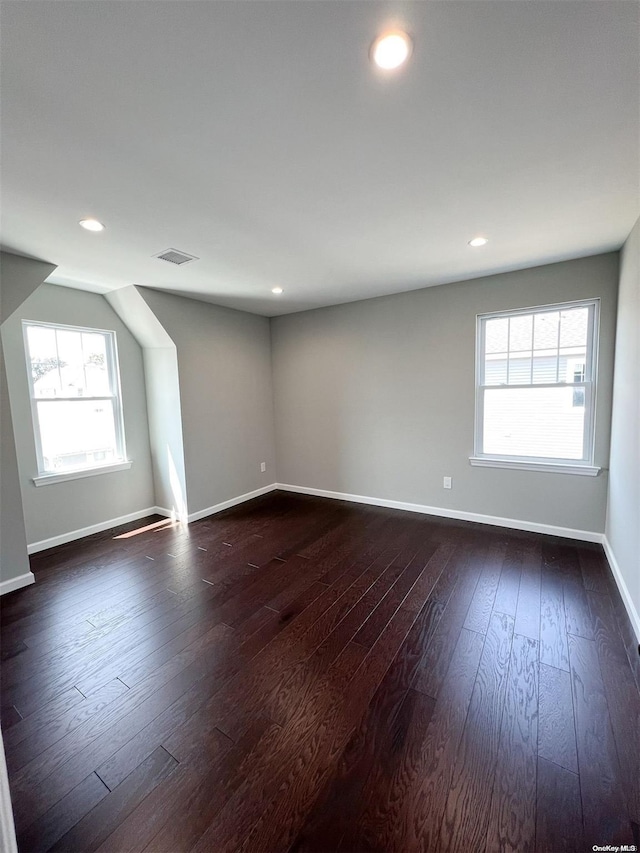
x: 75, y: 397
x: 536, y: 384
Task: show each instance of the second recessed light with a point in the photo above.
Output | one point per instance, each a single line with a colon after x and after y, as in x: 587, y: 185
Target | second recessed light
x: 276, y: 290
x: 90, y: 224
x: 391, y: 50
x: 478, y: 241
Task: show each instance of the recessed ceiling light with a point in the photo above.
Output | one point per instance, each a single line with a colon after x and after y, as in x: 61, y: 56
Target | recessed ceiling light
x: 91, y: 224
x: 391, y: 50
x: 276, y: 290
x: 478, y: 241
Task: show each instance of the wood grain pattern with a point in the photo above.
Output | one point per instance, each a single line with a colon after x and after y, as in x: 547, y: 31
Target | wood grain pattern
x: 623, y: 699
x: 464, y: 825
x: 296, y: 674
x: 527, y: 622
x: 100, y: 822
x: 421, y: 787
x: 506, y: 600
x: 556, y: 728
x: 558, y: 810
x: 512, y: 824
x: 479, y: 613
x: 64, y: 815
x: 594, y: 570
x: 553, y: 631
x: 466, y: 569
x: 576, y: 608
x: 603, y: 801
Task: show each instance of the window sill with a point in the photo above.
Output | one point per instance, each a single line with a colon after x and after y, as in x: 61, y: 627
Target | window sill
x: 50, y: 479
x: 559, y: 468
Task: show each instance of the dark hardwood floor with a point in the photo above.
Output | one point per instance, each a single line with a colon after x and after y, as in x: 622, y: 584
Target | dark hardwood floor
x: 299, y: 674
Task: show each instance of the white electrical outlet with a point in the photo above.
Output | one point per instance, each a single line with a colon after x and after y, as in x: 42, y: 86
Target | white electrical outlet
x: 446, y: 482
x: 263, y: 467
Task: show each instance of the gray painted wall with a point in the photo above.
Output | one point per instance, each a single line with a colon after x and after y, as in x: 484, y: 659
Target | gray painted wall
x: 376, y: 398
x: 19, y: 277
x: 60, y: 508
x: 14, y: 561
x: 165, y: 429
x: 224, y: 364
x: 163, y: 398
x: 623, y: 512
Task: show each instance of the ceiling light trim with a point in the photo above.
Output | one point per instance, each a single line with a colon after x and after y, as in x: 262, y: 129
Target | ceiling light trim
x: 90, y: 223
x: 391, y: 50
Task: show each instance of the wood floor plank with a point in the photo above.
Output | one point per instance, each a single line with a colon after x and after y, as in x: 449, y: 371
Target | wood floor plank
x: 383, y: 612
x: 623, y: 699
x: 321, y: 643
x: 604, y: 804
x: 10, y: 717
x: 276, y: 819
x: 45, y: 736
x: 558, y: 810
x: 431, y: 675
x: 479, y: 613
x: 411, y: 816
x: 36, y: 722
x: 527, y: 622
x: 66, y: 762
x: 342, y: 800
x: 594, y: 569
x: 89, y: 833
x: 393, y: 766
x: 512, y: 819
x: 176, y: 813
x: 466, y: 815
x: 186, y: 826
x: 63, y: 815
x: 506, y: 600
x: 556, y: 727
x: 576, y: 608
x: 321, y: 691
x: 553, y: 635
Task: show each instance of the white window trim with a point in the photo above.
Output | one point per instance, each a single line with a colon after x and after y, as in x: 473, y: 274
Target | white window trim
x: 51, y: 477
x: 522, y: 465
x: 585, y: 466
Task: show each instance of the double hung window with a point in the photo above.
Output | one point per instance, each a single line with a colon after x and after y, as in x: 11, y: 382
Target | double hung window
x: 75, y: 398
x: 535, y: 387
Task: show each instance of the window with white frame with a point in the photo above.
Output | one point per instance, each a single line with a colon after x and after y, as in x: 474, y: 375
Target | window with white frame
x: 75, y: 397
x: 535, y: 386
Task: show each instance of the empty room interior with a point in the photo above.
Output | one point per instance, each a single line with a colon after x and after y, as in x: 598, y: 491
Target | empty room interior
x: 320, y: 426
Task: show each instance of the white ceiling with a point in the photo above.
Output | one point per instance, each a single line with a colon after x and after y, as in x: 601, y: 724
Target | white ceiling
x: 257, y: 136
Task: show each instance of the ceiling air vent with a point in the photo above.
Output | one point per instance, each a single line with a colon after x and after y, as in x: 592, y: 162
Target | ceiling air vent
x: 173, y: 256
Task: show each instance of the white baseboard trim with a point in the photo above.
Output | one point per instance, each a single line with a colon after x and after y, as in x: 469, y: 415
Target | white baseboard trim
x: 168, y: 513
x: 63, y: 538
x: 462, y: 515
x: 17, y: 583
x: 240, y: 499
x: 72, y: 535
x: 516, y: 524
x: 634, y: 616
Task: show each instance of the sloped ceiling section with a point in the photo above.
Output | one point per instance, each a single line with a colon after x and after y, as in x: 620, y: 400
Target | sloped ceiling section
x: 19, y: 277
